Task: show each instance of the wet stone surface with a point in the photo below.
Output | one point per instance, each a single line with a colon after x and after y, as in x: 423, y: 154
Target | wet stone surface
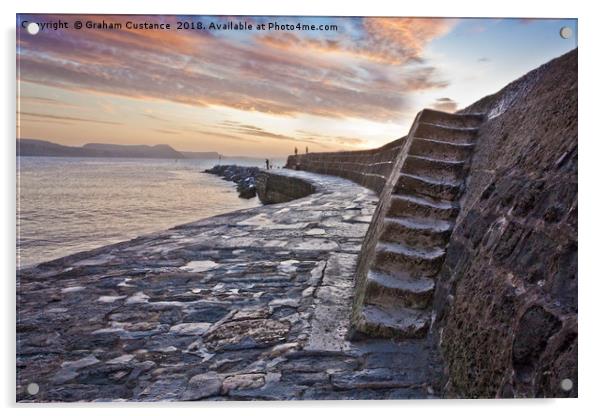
x: 251, y: 305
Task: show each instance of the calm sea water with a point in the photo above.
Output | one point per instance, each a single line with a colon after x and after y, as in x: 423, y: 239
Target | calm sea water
x: 66, y: 205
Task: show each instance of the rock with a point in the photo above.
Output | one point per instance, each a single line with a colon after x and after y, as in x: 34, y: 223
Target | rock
x: 243, y: 176
x: 316, y: 231
x: 190, y: 328
x: 81, y: 363
x: 118, y: 375
x: 138, y: 297
x: 375, y: 379
x: 242, y: 382
x: 288, y: 266
x: 250, y: 333
x: 246, y: 188
x: 283, y: 349
x: 166, y: 350
x: 290, y: 302
x: 244, y: 314
x: 72, y: 289
x: 199, y: 266
x: 308, y: 291
x: 109, y: 299
x: 202, y: 386
x: 316, y: 244
x: 64, y: 375
x: 126, y: 358
x: 164, y: 389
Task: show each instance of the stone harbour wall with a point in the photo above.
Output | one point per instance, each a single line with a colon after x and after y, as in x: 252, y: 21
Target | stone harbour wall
x: 369, y: 168
x: 507, y: 299
x: 249, y: 305
x: 274, y: 188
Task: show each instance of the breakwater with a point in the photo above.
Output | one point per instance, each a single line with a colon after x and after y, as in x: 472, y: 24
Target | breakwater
x: 243, y: 176
x: 254, y: 304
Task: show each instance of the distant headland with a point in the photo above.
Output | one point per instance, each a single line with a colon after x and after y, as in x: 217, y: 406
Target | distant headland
x: 35, y: 147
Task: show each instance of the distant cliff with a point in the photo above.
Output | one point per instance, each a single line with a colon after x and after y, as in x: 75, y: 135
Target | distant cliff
x: 116, y: 150
x: 201, y: 155
x: 34, y: 147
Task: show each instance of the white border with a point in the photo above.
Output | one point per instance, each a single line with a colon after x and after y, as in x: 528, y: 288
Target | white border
x: 590, y: 149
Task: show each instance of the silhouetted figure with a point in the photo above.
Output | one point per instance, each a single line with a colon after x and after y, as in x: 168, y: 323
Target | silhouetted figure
x: 267, y: 164
x: 296, y: 151
x: 306, y: 150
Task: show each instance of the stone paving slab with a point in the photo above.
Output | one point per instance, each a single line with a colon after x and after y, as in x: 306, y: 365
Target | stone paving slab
x: 250, y: 305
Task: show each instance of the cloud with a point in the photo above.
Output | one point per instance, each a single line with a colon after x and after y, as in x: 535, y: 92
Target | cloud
x: 153, y: 116
x: 250, y: 130
x: 212, y: 134
x: 483, y: 60
x: 26, y: 100
x: 445, y: 104
x: 254, y: 131
x: 167, y: 131
x: 366, y: 70
x: 399, y: 40
x: 302, y: 137
x: 66, y: 119
x: 385, y: 40
x: 321, y: 138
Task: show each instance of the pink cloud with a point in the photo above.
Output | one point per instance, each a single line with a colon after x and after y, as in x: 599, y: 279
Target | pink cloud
x: 285, y: 75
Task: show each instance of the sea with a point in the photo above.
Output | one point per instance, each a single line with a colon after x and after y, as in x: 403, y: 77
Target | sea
x: 68, y: 205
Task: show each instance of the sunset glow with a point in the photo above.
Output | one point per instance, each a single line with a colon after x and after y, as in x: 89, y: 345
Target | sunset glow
x: 262, y: 93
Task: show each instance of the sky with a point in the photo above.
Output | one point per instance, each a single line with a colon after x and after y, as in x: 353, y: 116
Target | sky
x: 263, y: 92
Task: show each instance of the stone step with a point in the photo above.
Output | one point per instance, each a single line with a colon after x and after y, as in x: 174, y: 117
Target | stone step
x: 453, y: 120
x: 446, y: 133
x: 422, y: 185
x: 405, y: 205
x: 399, y: 289
x: 435, y: 168
x: 393, y: 322
x: 398, y: 258
x: 442, y: 150
x: 417, y: 232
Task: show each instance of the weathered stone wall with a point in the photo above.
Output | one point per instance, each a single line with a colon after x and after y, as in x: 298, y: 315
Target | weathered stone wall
x: 507, y: 302
x: 273, y: 188
x: 369, y: 168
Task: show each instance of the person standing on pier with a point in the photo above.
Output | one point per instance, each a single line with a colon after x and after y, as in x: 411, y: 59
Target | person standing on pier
x: 267, y: 164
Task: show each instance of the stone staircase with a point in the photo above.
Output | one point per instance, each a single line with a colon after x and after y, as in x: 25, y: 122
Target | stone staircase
x: 406, y: 244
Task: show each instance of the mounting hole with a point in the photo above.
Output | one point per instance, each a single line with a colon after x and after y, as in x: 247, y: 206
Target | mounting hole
x: 566, y: 32
x: 33, y: 28
x: 33, y: 388
x: 566, y: 384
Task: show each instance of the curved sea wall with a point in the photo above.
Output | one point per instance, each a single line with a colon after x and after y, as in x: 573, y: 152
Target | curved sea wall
x: 249, y: 305
x: 507, y: 298
x: 369, y: 168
